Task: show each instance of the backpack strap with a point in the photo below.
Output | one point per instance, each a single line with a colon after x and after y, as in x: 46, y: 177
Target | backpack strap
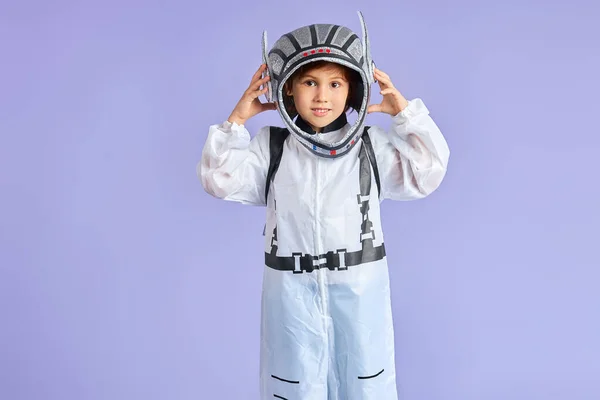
x: 371, y: 155
x: 277, y: 136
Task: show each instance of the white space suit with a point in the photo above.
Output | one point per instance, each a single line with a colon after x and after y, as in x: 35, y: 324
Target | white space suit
x: 326, y: 329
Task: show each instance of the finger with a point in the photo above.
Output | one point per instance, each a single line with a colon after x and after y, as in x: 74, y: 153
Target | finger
x: 387, y: 91
x: 384, y: 79
x: 252, y: 95
x: 265, y: 79
x: 374, y: 108
x: 258, y: 72
x: 257, y: 84
x: 380, y: 72
x: 381, y: 82
x: 268, y: 106
x: 260, y: 80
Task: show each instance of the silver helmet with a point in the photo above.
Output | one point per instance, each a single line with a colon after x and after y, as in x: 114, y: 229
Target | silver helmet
x: 320, y: 42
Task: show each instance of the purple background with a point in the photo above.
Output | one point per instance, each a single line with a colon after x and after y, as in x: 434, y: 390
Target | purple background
x: 120, y: 278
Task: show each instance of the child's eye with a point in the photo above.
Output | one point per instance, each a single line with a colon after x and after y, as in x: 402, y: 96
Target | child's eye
x: 336, y: 84
x: 310, y: 83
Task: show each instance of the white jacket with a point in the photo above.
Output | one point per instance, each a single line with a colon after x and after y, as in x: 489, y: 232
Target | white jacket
x: 327, y: 329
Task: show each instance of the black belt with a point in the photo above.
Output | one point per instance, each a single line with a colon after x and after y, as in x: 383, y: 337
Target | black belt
x: 338, y: 260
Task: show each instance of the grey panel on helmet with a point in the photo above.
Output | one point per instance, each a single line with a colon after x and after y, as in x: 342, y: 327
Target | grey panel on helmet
x: 355, y: 50
x: 285, y: 45
x: 353, y: 38
x: 334, y: 30
x: 322, y: 32
x: 276, y: 63
x: 341, y: 36
x: 302, y: 35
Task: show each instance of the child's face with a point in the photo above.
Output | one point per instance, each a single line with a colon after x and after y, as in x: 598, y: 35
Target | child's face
x: 320, y: 95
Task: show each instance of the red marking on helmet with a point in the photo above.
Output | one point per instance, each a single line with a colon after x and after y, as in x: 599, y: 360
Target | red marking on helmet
x: 332, y: 152
x: 327, y: 50
x: 320, y: 50
x: 352, y: 142
x: 312, y: 52
x: 305, y: 54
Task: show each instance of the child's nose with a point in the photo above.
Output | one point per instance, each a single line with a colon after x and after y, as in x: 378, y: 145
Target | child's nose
x: 322, y: 93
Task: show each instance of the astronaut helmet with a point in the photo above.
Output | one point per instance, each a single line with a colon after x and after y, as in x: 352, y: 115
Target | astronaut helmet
x: 320, y: 42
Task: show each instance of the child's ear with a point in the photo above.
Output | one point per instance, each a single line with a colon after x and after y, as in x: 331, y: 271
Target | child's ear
x: 288, y: 89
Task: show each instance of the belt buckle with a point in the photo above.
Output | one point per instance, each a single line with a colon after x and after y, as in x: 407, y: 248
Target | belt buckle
x: 297, y: 266
x: 341, y: 254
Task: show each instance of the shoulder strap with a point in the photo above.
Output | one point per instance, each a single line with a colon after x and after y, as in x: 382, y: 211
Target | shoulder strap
x: 277, y: 136
x: 371, y: 156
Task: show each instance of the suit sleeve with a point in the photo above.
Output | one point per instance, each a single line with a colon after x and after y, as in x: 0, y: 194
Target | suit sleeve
x: 412, y: 157
x: 233, y: 166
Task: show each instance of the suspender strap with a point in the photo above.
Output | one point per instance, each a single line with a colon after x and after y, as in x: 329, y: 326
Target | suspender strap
x: 371, y: 155
x: 277, y: 137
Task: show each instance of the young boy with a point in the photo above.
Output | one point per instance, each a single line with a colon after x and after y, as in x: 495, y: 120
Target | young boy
x: 327, y: 330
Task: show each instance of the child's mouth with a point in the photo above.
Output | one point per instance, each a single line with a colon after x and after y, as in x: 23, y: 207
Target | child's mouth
x: 320, y: 112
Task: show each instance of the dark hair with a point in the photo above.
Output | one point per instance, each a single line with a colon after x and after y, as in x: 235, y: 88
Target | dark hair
x: 353, y: 100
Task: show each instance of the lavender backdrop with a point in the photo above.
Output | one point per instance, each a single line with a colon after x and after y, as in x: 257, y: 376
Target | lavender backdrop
x: 121, y: 279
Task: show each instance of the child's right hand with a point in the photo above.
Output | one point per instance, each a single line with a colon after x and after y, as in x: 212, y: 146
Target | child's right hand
x: 249, y: 105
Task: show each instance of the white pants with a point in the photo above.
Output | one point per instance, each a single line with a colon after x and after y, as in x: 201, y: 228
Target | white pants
x: 328, y: 335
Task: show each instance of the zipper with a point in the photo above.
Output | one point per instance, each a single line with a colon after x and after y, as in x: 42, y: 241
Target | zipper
x: 321, y: 274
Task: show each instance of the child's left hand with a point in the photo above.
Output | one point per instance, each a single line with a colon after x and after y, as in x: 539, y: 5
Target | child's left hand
x: 393, y: 102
